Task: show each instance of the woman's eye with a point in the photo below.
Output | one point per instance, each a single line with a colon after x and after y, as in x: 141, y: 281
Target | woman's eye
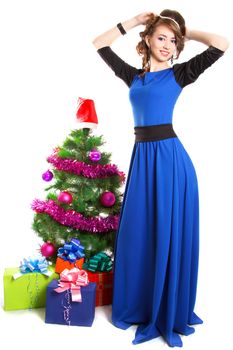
x: 173, y: 41
x: 161, y: 39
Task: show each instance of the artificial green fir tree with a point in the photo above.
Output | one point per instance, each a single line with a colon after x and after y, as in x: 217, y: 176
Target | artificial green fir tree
x: 84, y: 200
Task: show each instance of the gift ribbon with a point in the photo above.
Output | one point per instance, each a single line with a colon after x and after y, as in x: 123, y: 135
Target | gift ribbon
x: 71, y: 251
x: 73, y: 279
x: 30, y: 289
x: 30, y: 264
x: 99, y: 262
x: 67, y: 307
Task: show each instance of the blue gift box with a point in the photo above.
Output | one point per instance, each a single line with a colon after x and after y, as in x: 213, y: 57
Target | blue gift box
x: 59, y: 311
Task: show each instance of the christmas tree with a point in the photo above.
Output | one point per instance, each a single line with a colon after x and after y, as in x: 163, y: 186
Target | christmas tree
x: 84, y: 200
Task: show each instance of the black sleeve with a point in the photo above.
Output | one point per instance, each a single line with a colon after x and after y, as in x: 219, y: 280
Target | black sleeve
x: 187, y: 72
x: 121, y: 69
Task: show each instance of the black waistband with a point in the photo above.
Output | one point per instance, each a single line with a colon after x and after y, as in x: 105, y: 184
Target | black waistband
x: 154, y: 132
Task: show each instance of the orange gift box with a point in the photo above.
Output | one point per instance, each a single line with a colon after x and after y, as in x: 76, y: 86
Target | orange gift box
x: 65, y: 264
x: 104, y: 286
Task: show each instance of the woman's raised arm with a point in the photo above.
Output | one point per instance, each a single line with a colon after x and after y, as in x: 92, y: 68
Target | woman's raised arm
x: 209, y: 39
x: 107, y: 38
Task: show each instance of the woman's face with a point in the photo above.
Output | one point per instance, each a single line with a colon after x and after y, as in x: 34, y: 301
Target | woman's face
x: 162, y: 43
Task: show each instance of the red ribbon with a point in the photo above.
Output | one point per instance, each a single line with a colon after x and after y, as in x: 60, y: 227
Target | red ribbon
x: 73, y: 279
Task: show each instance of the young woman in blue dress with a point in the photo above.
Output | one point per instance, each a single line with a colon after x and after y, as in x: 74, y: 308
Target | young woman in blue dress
x: 157, y: 243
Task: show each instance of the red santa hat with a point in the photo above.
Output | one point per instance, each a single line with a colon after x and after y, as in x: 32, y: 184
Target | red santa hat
x: 86, y: 113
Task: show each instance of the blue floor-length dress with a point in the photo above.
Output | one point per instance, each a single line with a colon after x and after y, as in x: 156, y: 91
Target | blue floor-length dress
x: 157, y: 243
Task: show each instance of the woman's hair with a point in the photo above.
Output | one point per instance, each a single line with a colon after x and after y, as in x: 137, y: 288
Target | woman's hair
x: 151, y: 25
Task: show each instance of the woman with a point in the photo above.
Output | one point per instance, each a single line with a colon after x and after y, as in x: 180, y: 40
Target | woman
x: 156, y: 254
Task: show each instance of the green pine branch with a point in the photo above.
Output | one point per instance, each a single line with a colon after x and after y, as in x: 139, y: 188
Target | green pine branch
x: 50, y: 230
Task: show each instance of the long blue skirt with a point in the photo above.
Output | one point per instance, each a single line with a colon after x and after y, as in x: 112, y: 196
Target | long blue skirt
x: 157, y: 244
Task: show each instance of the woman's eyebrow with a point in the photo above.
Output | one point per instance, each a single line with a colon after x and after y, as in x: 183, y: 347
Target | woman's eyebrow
x: 166, y: 36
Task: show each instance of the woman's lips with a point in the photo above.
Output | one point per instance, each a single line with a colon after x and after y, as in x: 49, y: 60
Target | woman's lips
x: 164, y: 53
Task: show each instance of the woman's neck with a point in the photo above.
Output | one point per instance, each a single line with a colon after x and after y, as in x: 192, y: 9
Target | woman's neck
x: 157, y: 65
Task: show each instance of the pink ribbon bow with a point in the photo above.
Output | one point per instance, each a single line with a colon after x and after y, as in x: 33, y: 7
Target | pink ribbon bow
x: 73, y: 279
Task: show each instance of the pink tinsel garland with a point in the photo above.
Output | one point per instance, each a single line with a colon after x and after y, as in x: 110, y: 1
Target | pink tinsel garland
x: 87, y: 170
x: 75, y: 220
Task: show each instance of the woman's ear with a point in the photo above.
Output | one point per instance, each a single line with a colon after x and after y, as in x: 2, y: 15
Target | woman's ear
x: 147, y: 41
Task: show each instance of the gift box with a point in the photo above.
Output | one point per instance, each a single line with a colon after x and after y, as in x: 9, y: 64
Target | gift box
x: 70, y: 255
x: 62, y: 264
x: 60, y: 309
x: 28, y: 290
x: 104, y: 286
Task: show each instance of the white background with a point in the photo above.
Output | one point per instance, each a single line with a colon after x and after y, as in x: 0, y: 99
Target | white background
x: 47, y: 61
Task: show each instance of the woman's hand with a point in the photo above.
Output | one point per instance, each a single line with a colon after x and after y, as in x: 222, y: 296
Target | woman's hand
x: 142, y: 18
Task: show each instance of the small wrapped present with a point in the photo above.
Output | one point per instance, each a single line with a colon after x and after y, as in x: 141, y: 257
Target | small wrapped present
x: 25, y: 287
x: 65, y: 264
x: 71, y: 300
x: 104, y: 286
x: 69, y: 256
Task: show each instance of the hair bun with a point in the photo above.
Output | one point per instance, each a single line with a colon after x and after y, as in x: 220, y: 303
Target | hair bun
x: 177, y: 17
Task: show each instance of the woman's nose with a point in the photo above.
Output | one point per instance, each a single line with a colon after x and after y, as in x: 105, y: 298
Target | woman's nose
x: 166, y: 45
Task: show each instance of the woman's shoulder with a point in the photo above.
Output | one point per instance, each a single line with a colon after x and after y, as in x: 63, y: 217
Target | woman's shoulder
x: 110, y: 56
x: 187, y: 72
x: 121, y: 68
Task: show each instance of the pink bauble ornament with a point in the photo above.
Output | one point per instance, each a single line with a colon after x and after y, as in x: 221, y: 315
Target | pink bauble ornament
x: 107, y: 199
x: 65, y: 197
x: 47, y: 176
x: 94, y: 155
x: 47, y: 249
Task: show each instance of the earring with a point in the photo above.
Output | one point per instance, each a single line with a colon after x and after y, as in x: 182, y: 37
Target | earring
x: 172, y: 59
x: 148, y: 64
x: 149, y: 56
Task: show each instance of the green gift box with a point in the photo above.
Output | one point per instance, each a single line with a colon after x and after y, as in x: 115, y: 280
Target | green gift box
x: 27, y: 291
